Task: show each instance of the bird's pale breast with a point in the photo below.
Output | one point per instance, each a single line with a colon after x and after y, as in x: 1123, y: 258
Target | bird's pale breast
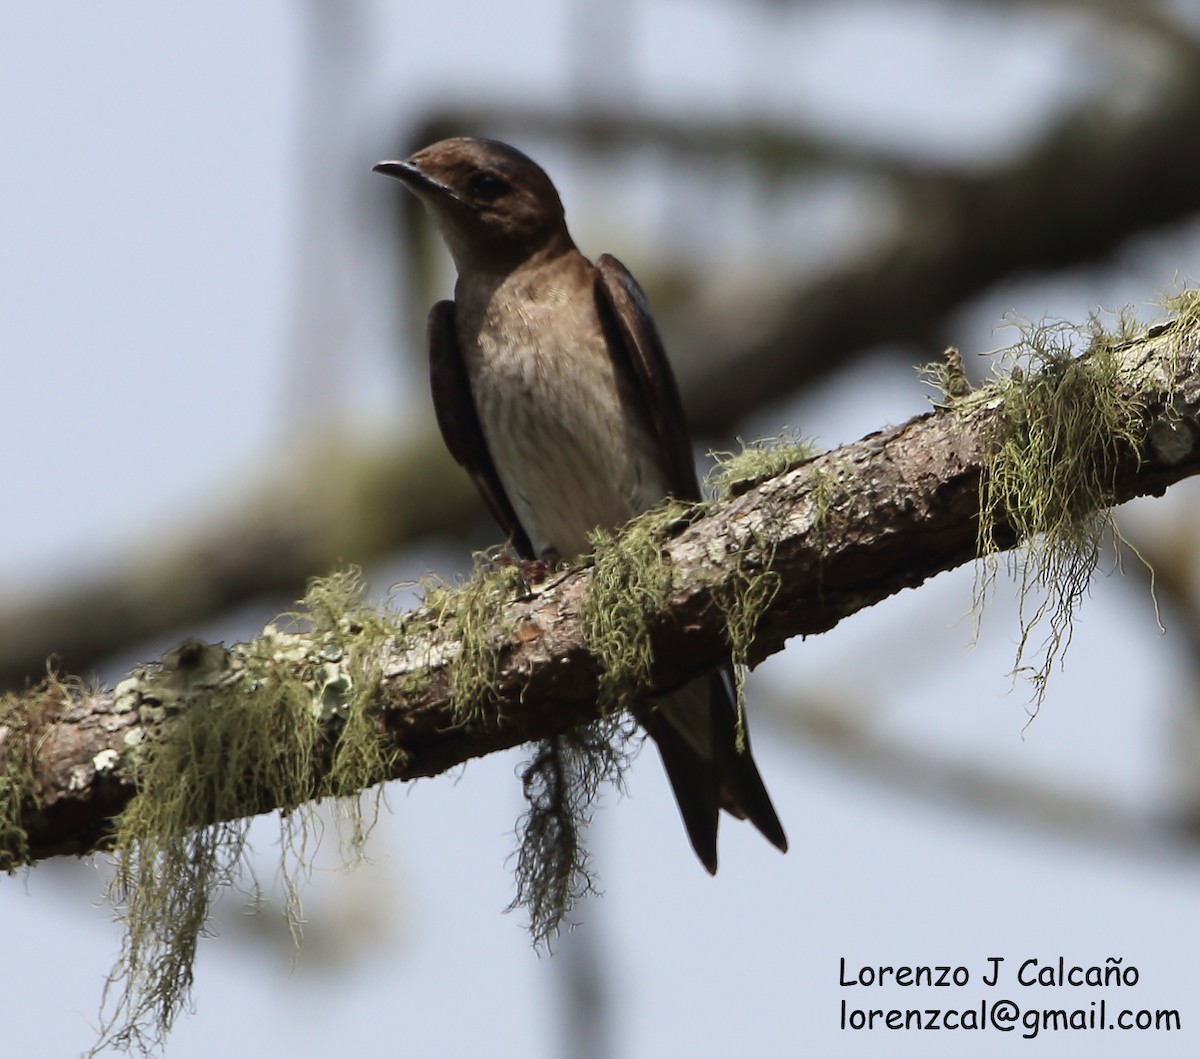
x: 566, y: 439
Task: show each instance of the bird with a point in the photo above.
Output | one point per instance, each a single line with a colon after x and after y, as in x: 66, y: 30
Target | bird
x: 552, y: 389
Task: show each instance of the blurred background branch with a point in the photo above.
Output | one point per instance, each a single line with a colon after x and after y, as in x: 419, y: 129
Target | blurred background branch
x: 742, y: 339
x: 817, y: 196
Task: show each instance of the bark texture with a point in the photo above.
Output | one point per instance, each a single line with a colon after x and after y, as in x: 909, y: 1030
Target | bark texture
x: 840, y: 531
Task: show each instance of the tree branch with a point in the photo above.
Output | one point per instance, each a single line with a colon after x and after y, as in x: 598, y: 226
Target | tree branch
x: 1086, y: 186
x: 1093, y: 179
x: 341, y: 503
x: 839, y: 532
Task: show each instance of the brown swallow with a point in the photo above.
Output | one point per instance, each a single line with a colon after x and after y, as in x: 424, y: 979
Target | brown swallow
x: 552, y: 389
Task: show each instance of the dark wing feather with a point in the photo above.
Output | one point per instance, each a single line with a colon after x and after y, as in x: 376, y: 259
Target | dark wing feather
x: 694, y: 782
x: 729, y: 779
x: 742, y: 790
x: 459, y: 423
x: 623, y: 307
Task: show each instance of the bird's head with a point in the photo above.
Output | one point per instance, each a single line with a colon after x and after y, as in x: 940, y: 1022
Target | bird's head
x: 494, y: 206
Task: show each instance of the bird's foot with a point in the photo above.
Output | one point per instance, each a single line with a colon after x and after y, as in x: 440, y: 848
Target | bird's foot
x: 530, y: 571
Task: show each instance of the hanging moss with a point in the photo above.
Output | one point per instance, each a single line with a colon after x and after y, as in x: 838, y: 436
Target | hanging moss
x: 631, y: 581
x: 749, y: 591
x: 753, y: 586
x: 277, y: 722
x: 1071, y: 415
x: 561, y: 783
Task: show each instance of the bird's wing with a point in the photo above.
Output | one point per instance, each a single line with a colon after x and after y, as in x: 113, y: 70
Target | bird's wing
x: 742, y: 792
x: 624, y: 309
x: 696, y: 729
x: 459, y: 422
x: 694, y: 783
x: 724, y: 777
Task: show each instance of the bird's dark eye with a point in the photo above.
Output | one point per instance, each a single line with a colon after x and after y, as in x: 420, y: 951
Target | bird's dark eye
x: 487, y: 186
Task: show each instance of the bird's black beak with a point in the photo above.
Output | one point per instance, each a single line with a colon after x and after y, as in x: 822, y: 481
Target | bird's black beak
x: 407, y: 171
x: 415, y: 179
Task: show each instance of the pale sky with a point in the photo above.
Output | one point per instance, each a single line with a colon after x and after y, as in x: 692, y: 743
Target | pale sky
x: 149, y: 205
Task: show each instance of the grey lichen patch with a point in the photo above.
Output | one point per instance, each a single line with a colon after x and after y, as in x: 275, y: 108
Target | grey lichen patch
x: 106, y: 761
x: 277, y: 722
x: 24, y: 719
x: 736, y: 473
x: 1071, y: 415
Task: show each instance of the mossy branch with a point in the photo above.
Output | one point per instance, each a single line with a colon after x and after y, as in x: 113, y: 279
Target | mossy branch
x: 840, y: 532
x: 167, y: 768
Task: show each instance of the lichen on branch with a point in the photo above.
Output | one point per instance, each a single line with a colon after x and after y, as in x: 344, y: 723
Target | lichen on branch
x: 1073, y: 412
x: 280, y: 722
x: 361, y: 695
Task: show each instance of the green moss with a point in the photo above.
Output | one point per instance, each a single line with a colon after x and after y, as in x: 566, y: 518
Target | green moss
x: 752, y: 588
x: 278, y: 722
x: 630, y: 583
x: 1183, y: 306
x: 471, y: 615
x: 826, y: 489
x: 1069, y: 420
x: 16, y: 796
x: 736, y: 473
